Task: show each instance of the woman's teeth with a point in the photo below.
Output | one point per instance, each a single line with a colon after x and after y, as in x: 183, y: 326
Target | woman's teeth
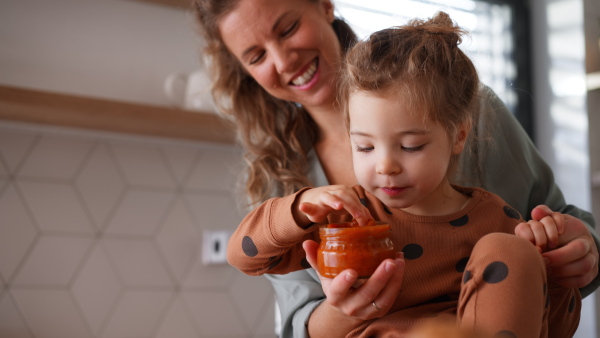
x: 304, y: 78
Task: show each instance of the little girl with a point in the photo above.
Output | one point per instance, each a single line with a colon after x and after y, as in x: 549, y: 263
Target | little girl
x: 408, y: 94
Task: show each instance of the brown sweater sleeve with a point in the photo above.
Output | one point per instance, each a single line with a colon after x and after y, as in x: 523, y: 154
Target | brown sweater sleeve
x: 268, y: 240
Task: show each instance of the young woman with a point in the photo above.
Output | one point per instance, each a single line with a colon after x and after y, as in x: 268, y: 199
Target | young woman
x: 409, y: 94
x: 275, y: 66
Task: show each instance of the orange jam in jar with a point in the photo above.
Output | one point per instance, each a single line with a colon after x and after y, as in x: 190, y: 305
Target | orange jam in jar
x: 348, y: 246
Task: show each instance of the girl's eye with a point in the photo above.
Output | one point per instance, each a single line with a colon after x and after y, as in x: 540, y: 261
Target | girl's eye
x: 365, y: 149
x: 413, y: 149
x: 290, y: 29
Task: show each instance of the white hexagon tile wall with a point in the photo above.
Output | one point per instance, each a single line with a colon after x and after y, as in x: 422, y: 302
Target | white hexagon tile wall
x: 100, y: 237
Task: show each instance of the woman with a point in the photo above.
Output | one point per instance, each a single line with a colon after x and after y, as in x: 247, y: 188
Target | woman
x: 274, y: 65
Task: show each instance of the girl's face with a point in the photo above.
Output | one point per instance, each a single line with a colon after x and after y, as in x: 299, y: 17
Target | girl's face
x: 287, y: 46
x: 399, y: 156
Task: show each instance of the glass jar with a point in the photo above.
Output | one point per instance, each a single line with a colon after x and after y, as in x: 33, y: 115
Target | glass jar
x: 347, y: 246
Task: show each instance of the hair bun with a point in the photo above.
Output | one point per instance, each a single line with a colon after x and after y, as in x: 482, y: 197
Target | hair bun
x: 441, y: 25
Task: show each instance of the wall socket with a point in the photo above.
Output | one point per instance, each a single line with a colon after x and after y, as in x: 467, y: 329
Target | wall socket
x: 214, y: 247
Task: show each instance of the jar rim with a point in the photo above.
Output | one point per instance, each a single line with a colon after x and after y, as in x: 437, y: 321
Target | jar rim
x: 377, y: 228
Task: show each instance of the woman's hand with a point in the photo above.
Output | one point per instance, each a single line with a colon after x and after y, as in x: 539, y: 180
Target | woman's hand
x: 316, y: 203
x: 355, y: 304
x: 574, y: 263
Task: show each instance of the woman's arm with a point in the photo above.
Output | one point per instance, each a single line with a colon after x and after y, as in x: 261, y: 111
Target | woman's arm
x: 508, y: 164
x: 298, y: 294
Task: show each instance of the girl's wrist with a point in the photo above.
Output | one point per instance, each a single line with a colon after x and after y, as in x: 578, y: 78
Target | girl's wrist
x: 299, y: 217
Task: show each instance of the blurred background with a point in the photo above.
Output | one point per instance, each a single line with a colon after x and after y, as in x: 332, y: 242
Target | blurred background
x: 117, y: 178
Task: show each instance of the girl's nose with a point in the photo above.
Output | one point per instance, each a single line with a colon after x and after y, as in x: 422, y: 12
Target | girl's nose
x: 388, y: 166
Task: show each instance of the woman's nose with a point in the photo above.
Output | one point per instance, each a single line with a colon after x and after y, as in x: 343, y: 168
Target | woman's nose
x: 284, y: 59
x: 388, y: 166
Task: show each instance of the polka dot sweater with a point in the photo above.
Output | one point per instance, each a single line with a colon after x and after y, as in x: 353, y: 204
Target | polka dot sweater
x: 269, y: 241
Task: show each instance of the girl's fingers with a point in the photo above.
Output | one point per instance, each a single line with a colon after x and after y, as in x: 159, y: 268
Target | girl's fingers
x: 365, y: 217
x: 346, y: 198
x: 317, y: 203
x: 539, y: 232
x: 540, y: 212
x: 551, y: 230
x: 559, y: 221
x: 523, y: 230
x: 315, y: 213
x: 332, y: 201
x: 355, y: 208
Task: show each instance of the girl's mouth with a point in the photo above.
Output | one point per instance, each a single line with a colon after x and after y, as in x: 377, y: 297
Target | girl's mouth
x: 392, y: 191
x: 308, y: 75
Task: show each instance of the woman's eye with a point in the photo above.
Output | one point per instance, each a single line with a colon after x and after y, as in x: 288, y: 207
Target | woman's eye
x: 413, y: 149
x: 289, y: 29
x: 256, y: 58
x: 364, y: 149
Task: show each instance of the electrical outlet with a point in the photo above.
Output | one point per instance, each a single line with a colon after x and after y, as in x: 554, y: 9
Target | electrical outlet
x: 214, y: 247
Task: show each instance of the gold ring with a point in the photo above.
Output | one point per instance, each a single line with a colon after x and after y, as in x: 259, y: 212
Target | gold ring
x: 375, y: 305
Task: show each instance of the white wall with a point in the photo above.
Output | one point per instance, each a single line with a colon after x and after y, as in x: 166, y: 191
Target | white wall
x: 101, y: 237
x: 114, y: 49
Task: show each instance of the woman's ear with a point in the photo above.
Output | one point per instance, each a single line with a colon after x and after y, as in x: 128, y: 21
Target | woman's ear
x: 460, y: 138
x: 328, y: 9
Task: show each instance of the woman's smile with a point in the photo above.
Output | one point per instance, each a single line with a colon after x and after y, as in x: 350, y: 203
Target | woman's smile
x: 307, y: 76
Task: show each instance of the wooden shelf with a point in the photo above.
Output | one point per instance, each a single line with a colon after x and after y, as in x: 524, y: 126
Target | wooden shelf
x: 26, y: 105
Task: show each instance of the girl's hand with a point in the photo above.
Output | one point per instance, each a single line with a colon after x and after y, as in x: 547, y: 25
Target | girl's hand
x: 317, y: 203
x: 543, y: 232
x: 381, y: 288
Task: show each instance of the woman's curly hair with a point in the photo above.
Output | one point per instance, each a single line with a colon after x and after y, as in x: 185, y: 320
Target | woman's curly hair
x: 276, y: 135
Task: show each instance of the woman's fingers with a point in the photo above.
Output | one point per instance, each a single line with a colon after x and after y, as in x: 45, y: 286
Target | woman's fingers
x: 574, y: 269
x: 387, y: 296
x: 311, y: 247
x: 571, y: 252
x: 340, y: 287
x: 382, y: 287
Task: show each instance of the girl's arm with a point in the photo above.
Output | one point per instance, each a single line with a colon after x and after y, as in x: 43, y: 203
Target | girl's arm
x: 269, y: 239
